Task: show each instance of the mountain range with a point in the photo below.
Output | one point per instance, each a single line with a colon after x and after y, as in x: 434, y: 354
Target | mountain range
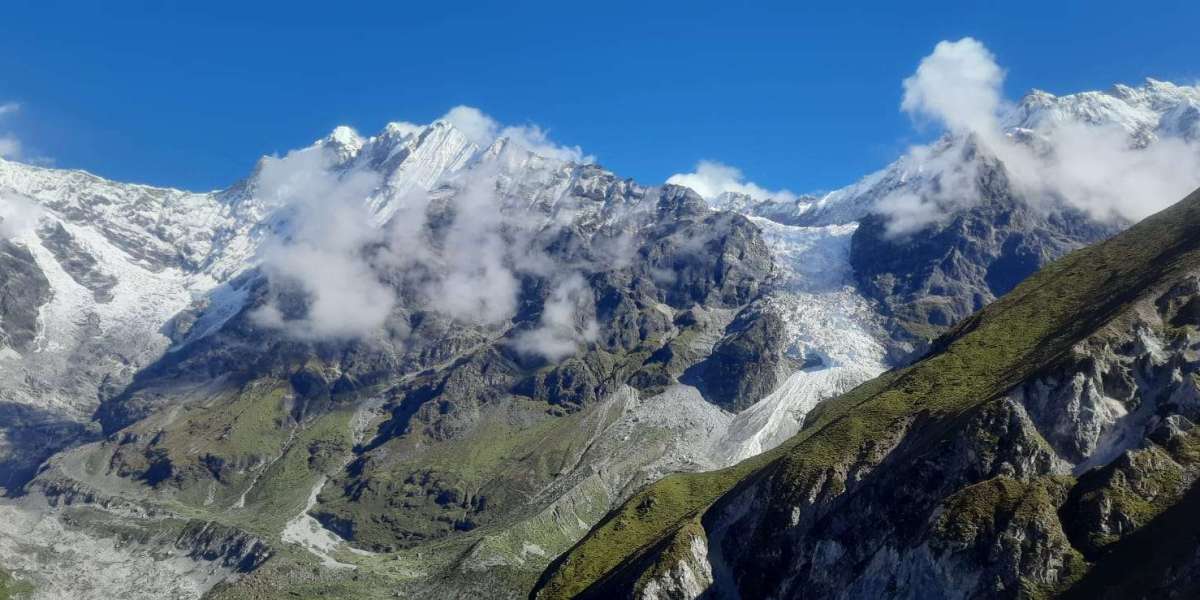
x: 445, y: 361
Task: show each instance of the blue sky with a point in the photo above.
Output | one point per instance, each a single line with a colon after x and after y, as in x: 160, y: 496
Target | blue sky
x: 799, y: 97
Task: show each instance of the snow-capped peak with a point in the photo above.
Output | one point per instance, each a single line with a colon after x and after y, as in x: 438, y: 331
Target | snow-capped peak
x: 1155, y: 109
x: 344, y: 135
x: 1146, y: 114
x: 401, y: 129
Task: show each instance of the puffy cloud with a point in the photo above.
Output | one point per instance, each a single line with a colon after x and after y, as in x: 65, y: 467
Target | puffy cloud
x: 478, y: 267
x: 1094, y: 167
x: 957, y: 85
x: 467, y: 263
x: 478, y: 127
x: 1098, y: 170
x: 711, y: 179
x: 565, y: 322
x: 536, y: 140
x: 483, y: 130
x: 10, y: 146
x: 323, y: 230
x: 17, y: 215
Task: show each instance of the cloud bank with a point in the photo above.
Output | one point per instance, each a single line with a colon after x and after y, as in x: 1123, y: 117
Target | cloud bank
x: 565, y: 322
x: 957, y: 85
x: 323, y: 231
x: 1098, y: 168
x: 17, y: 216
x: 458, y: 250
x: 711, y: 179
x: 482, y: 130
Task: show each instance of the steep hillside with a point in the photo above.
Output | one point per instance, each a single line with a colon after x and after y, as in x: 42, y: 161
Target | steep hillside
x: 1046, y: 437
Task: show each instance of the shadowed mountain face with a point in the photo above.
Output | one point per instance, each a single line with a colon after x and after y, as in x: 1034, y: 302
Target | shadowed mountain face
x: 1046, y: 438
x: 929, y: 280
x: 23, y: 291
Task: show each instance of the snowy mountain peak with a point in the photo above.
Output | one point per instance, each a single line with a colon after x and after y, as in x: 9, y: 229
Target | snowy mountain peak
x: 344, y: 142
x: 1155, y: 109
x: 409, y: 160
x: 400, y: 129
x: 346, y: 136
x: 1146, y: 114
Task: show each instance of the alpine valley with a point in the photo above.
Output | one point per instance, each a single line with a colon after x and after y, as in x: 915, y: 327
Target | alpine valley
x: 454, y: 360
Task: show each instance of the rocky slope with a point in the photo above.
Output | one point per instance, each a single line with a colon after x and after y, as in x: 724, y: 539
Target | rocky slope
x: 927, y: 282
x: 1045, y: 438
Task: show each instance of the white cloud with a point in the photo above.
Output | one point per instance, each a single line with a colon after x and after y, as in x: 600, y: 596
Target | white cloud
x: 536, y: 140
x: 404, y: 128
x: 563, y: 325
x: 10, y: 146
x: 329, y: 248
x: 478, y: 127
x: 711, y: 179
x: 483, y: 130
x: 17, y: 216
x: 478, y: 281
x: 1095, y: 168
x: 320, y: 248
x: 957, y: 85
x: 1098, y: 170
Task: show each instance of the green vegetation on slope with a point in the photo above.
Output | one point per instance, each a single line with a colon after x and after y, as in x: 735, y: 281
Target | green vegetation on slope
x: 977, y: 361
x: 1135, y: 489
x: 238, y: 458
x: 1152, y: 562
x: 977, y: 513
x: 12, y: 588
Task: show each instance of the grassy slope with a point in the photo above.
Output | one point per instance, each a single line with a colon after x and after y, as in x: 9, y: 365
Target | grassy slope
x: 495, y: 451
x: 11, y: 588
x: 249, y: 426
x: 986, y: 355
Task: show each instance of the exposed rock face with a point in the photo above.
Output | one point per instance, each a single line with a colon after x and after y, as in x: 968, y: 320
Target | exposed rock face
x: 748, y: 363
x: 23, y: 291
x: 978, y: 520
x: 29, y: 438
x: 927, y: 281
x: 138, y: 558
x: 78, y: 262
x: 689, y: 577
x: 715, y: 261
x: 230, y: 547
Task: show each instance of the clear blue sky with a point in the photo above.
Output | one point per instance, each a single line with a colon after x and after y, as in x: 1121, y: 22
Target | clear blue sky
x: 799, y: 97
